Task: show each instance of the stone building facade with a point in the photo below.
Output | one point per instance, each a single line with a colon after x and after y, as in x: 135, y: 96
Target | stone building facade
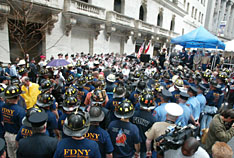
x: 105, y: 26
x: 220, y: 18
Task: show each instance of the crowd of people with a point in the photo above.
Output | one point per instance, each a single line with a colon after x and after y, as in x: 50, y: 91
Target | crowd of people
x: 110, y: 105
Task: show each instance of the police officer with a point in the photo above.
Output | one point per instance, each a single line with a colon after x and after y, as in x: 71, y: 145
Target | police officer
x: 200, y: 95
x: 194, y: 105
x: 76, y: 126
x: 173, y: 112
x: 11, y: 116
x: 70, y: 103
x: 39, y: 144
x: 143, y: 118
x: 124, y: 135
x: 98, y: 134
x: 160, y: 112
x: 185, y: 117
x: 210, y: 109
x: 44, y: 101
x: 26, y: 128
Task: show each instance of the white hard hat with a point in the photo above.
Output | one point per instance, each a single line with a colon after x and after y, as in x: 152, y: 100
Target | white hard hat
x: 111, y: 78
x: 174, y: 109
x: 21, y: 62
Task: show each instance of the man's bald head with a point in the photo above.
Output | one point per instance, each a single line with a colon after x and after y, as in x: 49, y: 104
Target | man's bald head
x: 190, y: 146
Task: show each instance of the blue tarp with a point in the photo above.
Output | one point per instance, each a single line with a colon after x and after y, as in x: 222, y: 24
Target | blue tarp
x: 198, y: 38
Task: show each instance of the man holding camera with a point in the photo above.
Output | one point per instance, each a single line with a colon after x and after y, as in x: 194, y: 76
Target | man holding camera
x: 159, y: 128
x: 221, y: 128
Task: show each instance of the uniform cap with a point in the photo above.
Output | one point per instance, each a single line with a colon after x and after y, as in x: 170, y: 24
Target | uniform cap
x: 200, y: 86
x: 184, y: 96
x: 193, y: 89
x: 166, y: 93
x: 174, y: 109
x: 38, y: 119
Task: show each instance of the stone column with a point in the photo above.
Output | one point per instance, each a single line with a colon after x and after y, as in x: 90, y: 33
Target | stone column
x: 216, y: 16
x: 224, y: 4
x: 228, y: 16
x: 91, y: 41
x: 230, y: 30
x: 210, y: 14
x: 122, y: 42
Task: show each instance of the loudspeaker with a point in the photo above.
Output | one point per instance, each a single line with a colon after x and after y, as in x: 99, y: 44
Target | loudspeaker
x: 145, y: 58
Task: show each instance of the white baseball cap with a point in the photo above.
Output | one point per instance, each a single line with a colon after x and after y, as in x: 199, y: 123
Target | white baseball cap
x: 174, y: 109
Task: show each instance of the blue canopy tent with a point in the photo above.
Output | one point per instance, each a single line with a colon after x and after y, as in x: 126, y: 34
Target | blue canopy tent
x: 199, y: 38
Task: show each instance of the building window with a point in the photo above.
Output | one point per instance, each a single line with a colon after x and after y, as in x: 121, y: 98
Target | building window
x: 117, y: 6
x: 192, y: 12
x: 86, y: 1
x: 184, y: 3
x: 195, y: 16
x: 202, y: 18
x: 182, y: 31
x: 160, y: 19
x: 172, y: 27
x: 199, y: 17
x: 204, y: 2
x: 188, y: 5
x: 142, y: 15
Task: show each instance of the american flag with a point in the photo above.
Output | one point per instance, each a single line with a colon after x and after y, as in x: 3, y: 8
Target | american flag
x: 140, y: 50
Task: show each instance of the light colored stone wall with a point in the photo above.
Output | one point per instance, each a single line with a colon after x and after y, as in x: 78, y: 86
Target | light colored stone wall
x: 4, y: 45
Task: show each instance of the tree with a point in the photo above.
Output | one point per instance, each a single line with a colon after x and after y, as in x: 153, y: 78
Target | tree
x: 27, y: 27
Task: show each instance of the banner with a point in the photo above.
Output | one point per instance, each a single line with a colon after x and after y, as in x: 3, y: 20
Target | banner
x: 140, y: 50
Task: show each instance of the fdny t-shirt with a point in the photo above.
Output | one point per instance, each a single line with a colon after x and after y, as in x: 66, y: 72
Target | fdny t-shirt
x: 123, y: 136
x: 84, y: 148
x: 102, y: 137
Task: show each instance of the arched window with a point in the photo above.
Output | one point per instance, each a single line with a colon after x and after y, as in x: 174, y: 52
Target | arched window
x: 142, y: 13
x: 172, y: 27
x: 160, y: 19
x: 117, y: 6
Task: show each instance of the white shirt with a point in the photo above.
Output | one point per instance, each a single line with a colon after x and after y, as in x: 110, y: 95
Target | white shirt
x: 201, y: 153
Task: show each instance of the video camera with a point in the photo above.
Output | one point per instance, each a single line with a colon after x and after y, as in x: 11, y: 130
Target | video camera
x: 175, y: 137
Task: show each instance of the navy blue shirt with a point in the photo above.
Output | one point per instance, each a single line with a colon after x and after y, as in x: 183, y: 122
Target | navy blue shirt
x: 69, y: 147
x: 102, y: 137
x: 2, y: 131
x: 60, y: 124
x: 111, y: 104
x: 12, y: 116
x: 134, y: 97
x: 25, y: 132
x: 89, y: 87
x: 124, y: 135
x: 82, y: 93
x: 143, y: 120
x: 51, y: 123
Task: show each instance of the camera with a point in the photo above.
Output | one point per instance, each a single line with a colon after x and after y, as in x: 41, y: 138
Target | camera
x: 175, y: 137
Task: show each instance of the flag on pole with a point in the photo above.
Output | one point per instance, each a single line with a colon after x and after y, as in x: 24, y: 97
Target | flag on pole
x: 147, y: 47
x: 140, y: 50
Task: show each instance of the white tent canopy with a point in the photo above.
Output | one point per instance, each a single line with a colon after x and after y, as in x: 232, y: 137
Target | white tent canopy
x: 229, y: 46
